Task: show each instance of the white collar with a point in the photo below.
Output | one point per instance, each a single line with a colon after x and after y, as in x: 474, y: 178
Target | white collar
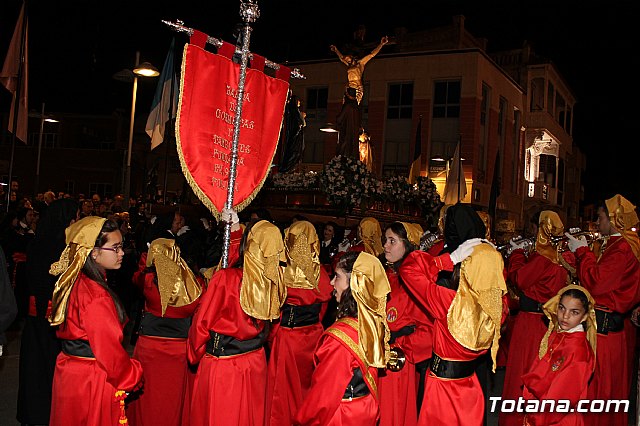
x: 575, y: 329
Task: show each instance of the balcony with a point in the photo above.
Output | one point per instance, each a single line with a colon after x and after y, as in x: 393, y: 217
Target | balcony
x: 541, y: 191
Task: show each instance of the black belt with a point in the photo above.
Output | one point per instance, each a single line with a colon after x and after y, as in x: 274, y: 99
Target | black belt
x: 151, y: 325
x: 446, y: 369
x: 79, y: 348
x: 357, y: 387
x: 528, y: 304
x: 609, y: 321
x: 404, y: 331
x: 300, y: 316
x: 222, y: 345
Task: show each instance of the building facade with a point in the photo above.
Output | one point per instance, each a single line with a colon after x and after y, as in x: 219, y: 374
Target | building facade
x: 510, y: 112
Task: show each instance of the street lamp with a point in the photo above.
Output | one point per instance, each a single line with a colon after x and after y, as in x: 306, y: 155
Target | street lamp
x: 144, y: 69
x: 447, y: 161
x: 329, y: 128
x: 43, y: 118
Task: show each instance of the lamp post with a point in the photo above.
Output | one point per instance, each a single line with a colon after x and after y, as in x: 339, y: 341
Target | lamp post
x: 144, y: 70
x: 43, y: 118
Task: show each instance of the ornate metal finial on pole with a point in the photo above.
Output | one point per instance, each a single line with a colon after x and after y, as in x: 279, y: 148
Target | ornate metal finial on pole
x: 178, y: 26
x: 249, y: 12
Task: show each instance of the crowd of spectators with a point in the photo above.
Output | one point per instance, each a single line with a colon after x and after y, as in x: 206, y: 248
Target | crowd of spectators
x: 198, y: 234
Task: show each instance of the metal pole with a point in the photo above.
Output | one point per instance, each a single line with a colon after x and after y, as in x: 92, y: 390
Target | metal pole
x: 39, y: 150
x: 169, y: 126
x: 127, y: 176
x: 249, y: 12
x: 459, y: 173
x: 169, y: 129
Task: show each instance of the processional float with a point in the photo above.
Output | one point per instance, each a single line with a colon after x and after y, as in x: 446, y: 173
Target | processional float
x: 229, y: 118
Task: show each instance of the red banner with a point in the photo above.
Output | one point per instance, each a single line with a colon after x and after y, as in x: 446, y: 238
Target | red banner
x: 205, y: 126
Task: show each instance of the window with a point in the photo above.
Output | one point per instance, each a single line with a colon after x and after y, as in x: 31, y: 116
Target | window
x: 550, y: 98
x: 560, y: 110
x: 446, y: 99
x: 400, y: 101
x: 316, y: 117
x: 567, y: 123
x: 316, y: 105
x: 102, y: 189
x: 515, y: 151
x: 96, y: 138
x: 560, y: 196
x: 537, y: 95
x: 396, y: 156
x: 502, y: 115
x: 70, y: 187
x: 547, y: 169
x: 49, y: 140
x: 484, y: 105
x: 485, y: 108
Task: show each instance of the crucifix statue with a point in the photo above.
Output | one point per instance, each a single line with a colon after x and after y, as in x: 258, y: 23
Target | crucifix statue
x: 355, y: 66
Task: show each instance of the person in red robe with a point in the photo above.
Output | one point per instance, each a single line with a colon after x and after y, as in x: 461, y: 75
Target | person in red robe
x: 565, y: 361
x: 611, y: 273
x: 93, y: 372
x: 536, y: 279
x: 229, y: 328
x: 410, y: 327
x: 171, y: 292
x: 295, y: 336
x: 344, y: 383
x: 468, y: 307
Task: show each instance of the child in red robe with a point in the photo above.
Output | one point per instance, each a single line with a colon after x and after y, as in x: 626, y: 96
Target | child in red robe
x: 93, y: 371
x: 344, y: 383
x: 566, y: 358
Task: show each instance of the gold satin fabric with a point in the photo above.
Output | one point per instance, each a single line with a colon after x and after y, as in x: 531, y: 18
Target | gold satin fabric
x: 371, y: 235
x: 302, y: 249
x: 177, y: 284
x: 623, y: 216
x: 80, y: 237
x: 475, y: 315
x: 442, y: 217
x: 370, y: 286
x: 263, y: 292
x: 414, y: 232
x: 486, y: 219
x: 549, y: 225
x: 551, y: 311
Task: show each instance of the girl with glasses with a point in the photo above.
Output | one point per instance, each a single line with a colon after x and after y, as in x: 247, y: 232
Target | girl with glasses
x: 93, y: 372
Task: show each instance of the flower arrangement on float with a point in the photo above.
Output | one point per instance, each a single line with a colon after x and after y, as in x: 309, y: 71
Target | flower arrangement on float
x: 346, y: 182
x: 425, y: 195
x: 397, y: 189
x: 294, y: 181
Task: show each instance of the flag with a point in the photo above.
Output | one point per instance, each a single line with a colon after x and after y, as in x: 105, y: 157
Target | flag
x: 414, y: 170
x: 164, y: 100
x: 14, y: 77
x: 495, y: 191
x: 455, y: 188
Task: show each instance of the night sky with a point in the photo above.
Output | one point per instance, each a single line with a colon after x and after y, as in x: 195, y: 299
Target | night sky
x: 76, y: 47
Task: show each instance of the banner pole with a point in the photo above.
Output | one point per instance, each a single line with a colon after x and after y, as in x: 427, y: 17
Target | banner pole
x: 249, y: 12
